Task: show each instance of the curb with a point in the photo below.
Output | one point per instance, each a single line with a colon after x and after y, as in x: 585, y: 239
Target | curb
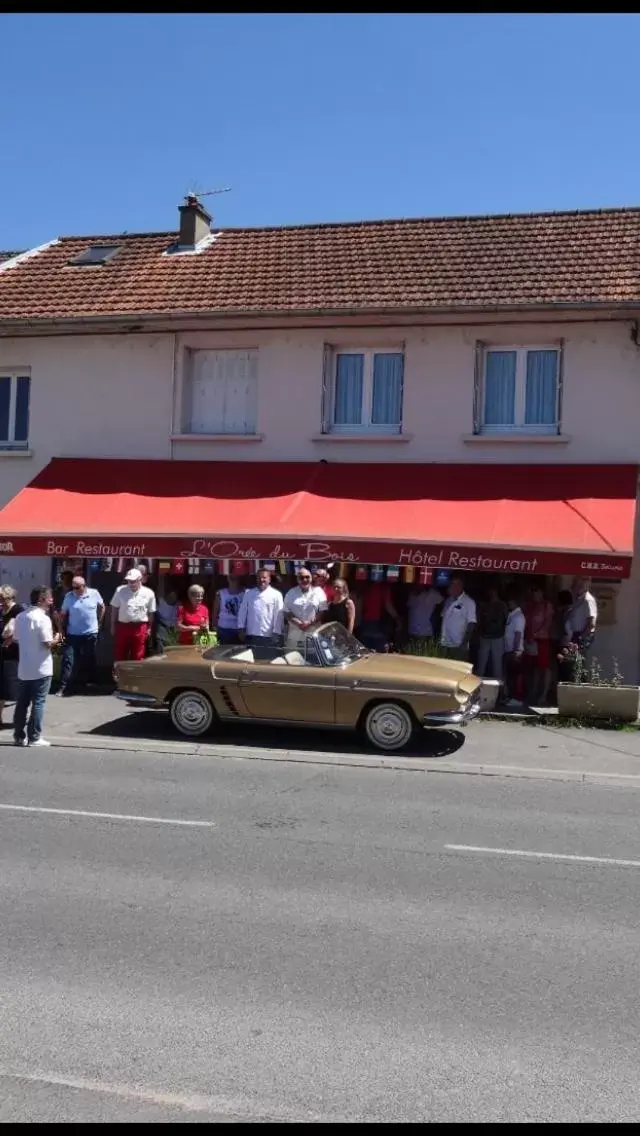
x: 361, y: 761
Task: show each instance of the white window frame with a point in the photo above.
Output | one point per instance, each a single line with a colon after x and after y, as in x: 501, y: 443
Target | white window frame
x: 367, y: 426
x: 519, y: 426
x: 14, y: 374
x: 187, y: 393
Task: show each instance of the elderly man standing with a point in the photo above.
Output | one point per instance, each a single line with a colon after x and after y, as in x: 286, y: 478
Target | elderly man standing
x: 260, y: 613
x: 81, y: 618
x: 303, y: 607
x: 459, y: 620
x: 582, y: 617
x: 33, y: 632
x: 133, y: 609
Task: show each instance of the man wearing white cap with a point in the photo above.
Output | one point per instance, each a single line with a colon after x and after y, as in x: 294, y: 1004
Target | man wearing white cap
x: 133, y: 609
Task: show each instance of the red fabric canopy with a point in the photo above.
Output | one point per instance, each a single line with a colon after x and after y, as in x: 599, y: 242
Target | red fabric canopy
x: 403, y: 513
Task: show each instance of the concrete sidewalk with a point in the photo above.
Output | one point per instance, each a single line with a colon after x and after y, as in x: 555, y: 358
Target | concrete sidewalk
x: 487, y: 747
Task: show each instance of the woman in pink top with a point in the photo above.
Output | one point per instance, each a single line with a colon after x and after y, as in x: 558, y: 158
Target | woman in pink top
x: 538, y: 636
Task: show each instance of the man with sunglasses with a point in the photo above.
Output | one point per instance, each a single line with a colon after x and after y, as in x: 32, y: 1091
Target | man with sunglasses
x: 81, y: 618
x: 303, y: 607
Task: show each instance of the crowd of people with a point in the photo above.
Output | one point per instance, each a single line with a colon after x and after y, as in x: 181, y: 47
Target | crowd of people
x: 527, y: 643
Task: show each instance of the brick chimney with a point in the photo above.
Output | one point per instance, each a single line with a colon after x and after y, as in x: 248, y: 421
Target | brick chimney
x: 195, y: 222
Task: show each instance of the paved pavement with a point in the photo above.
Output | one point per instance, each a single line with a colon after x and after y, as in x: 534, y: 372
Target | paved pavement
x: 489, y: 747
x: 275, y: 941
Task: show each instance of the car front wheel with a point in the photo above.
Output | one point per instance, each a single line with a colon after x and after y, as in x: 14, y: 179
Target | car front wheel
x: 389, y: 726
x: 192, y: 713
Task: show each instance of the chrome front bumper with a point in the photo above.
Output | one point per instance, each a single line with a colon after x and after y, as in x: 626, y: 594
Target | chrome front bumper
x: 135, y: 699
x: 454, y: 717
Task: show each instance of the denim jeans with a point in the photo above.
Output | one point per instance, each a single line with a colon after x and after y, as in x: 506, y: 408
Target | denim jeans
x: 31, y: 692
x: 78, y: 651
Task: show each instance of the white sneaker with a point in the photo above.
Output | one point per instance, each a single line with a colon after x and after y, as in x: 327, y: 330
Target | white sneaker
x: 40, y: 742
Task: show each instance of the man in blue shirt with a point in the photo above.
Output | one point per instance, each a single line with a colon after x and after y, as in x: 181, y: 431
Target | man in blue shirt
x: 81, y: 619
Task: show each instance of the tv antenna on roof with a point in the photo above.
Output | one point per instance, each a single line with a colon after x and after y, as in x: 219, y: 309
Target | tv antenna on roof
x: 208, y: 192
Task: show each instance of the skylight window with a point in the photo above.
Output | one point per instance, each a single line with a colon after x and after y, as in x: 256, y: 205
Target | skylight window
x: 96, y: 254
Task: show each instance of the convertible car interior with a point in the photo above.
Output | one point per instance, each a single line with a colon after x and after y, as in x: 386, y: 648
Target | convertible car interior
x: 290, y: 658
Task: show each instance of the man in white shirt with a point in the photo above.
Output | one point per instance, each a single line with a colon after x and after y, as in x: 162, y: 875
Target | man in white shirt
x: 513, y: 652
x: 420, y: 608
x: 260, y: 613
x: 458, y: 621
x: 302, y: 608
x: 582, y: 616
x: 133, y: 608
x: 33, y: 632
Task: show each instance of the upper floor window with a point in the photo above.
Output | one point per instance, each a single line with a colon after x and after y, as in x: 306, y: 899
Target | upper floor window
x: 519, y: 390
x: 222, y: 392
x: 365, y: 392
x: 15, y: 390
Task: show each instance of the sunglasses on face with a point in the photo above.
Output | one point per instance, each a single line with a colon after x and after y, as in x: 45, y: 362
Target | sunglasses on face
x: 305, y: 579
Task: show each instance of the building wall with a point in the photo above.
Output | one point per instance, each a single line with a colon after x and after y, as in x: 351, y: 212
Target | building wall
x: 118, y: 396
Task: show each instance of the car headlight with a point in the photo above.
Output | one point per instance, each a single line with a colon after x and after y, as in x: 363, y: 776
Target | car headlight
x: 461, y: 698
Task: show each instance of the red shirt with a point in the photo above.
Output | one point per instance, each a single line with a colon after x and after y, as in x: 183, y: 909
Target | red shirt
x: 193, y: 617
x: 374, y: 601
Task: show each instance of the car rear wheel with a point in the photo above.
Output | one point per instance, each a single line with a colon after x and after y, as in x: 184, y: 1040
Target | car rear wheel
x: 192, y: 713
x: 389, y: 726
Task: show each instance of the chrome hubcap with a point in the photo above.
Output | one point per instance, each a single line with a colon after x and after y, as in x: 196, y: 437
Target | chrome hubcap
x: 193, y: 713
x: 389, y: 726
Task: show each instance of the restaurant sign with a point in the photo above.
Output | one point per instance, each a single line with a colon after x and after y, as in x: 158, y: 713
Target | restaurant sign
x: 460, y: 558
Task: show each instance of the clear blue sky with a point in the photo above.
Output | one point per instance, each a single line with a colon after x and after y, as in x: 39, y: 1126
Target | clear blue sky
x: 108, y: 119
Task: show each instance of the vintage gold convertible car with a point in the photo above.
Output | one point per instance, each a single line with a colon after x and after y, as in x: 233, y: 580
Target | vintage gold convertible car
x: 331, y: 681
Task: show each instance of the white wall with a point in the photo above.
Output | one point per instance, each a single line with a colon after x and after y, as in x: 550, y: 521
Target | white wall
x: 601, y: 408
x: 107, y: 396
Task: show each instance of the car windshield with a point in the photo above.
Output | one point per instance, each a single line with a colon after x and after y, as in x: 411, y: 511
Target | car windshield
x: 337, y: 646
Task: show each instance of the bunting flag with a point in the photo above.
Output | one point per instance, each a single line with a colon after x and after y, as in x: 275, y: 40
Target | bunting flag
x: 224, y: 567
x: 426, y: 575
x: 409, y: 574
x: 361, y: 572
x: 282, y: 567
x: 298, y: 565
x: 342, y: 571
x: 164, y: 567
x: 177, y: 568
x: 270, y: 565
x: 107, y: 564
x: 94, y: 566
x: 120, y: 564
x: 193, y: 564
x: 239, y: 568
x: 443, y: 577
x: 377, y: 572
x: 209, y: 567
x: 255, y: 566
x: 393, y: 573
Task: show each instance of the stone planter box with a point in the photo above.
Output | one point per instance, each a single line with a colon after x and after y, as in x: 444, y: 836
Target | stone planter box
x: 489, y: 692
x: 581, y: 700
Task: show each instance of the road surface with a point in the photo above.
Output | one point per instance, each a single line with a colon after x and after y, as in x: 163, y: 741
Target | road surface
x: 316, y: 943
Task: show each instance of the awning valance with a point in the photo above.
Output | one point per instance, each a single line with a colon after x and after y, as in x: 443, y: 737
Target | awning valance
x: 488, y: 517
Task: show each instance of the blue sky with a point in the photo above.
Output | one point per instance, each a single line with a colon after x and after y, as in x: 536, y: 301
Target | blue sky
x: 109, y: 119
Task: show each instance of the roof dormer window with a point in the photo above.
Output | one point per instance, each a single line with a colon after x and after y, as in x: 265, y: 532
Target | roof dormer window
x: 95, y: 254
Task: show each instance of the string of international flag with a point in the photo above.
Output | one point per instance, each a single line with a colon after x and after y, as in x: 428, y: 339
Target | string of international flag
x: 194, y: 566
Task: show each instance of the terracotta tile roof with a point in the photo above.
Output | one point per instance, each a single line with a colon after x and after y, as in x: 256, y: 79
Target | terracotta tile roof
x: 466, y: 263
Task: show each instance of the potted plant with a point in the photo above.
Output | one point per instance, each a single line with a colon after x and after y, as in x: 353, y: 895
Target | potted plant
x: 593, y: 696
x: 201, y: 639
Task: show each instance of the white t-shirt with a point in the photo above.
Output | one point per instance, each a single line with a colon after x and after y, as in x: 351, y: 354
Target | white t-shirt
x: 32, y: 632
x: 515, y: 624
x: 261, y: 612
x: 421, y: 607
x: 230, y: 603
x: 305, y: 605
x: 457, y: 614
x: 134, y: 607
x: 582, y: 610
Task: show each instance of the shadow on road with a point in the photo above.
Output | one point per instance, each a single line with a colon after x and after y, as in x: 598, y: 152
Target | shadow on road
x: 155, y: 725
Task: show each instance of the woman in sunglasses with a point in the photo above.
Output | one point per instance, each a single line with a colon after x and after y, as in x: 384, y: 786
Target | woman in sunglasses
x: 342, y: 608
x: 303, y: 608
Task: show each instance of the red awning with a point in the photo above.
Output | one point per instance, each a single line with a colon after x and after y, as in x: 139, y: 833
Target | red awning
x: 530, y: 518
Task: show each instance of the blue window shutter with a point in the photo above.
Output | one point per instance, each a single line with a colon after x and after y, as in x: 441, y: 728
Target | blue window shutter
x: 327, y: 364
x: 5, y: 403
x: 477, y: 385
x: 560, y: 383
x: 21, y: 429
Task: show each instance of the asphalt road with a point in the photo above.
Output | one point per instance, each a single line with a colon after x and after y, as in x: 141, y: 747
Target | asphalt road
x: 313, y: 948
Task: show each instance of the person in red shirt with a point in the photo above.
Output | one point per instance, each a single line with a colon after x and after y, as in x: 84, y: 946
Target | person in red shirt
x: 192, y: 616
x: 320, y: 579
x: 376, y: 604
